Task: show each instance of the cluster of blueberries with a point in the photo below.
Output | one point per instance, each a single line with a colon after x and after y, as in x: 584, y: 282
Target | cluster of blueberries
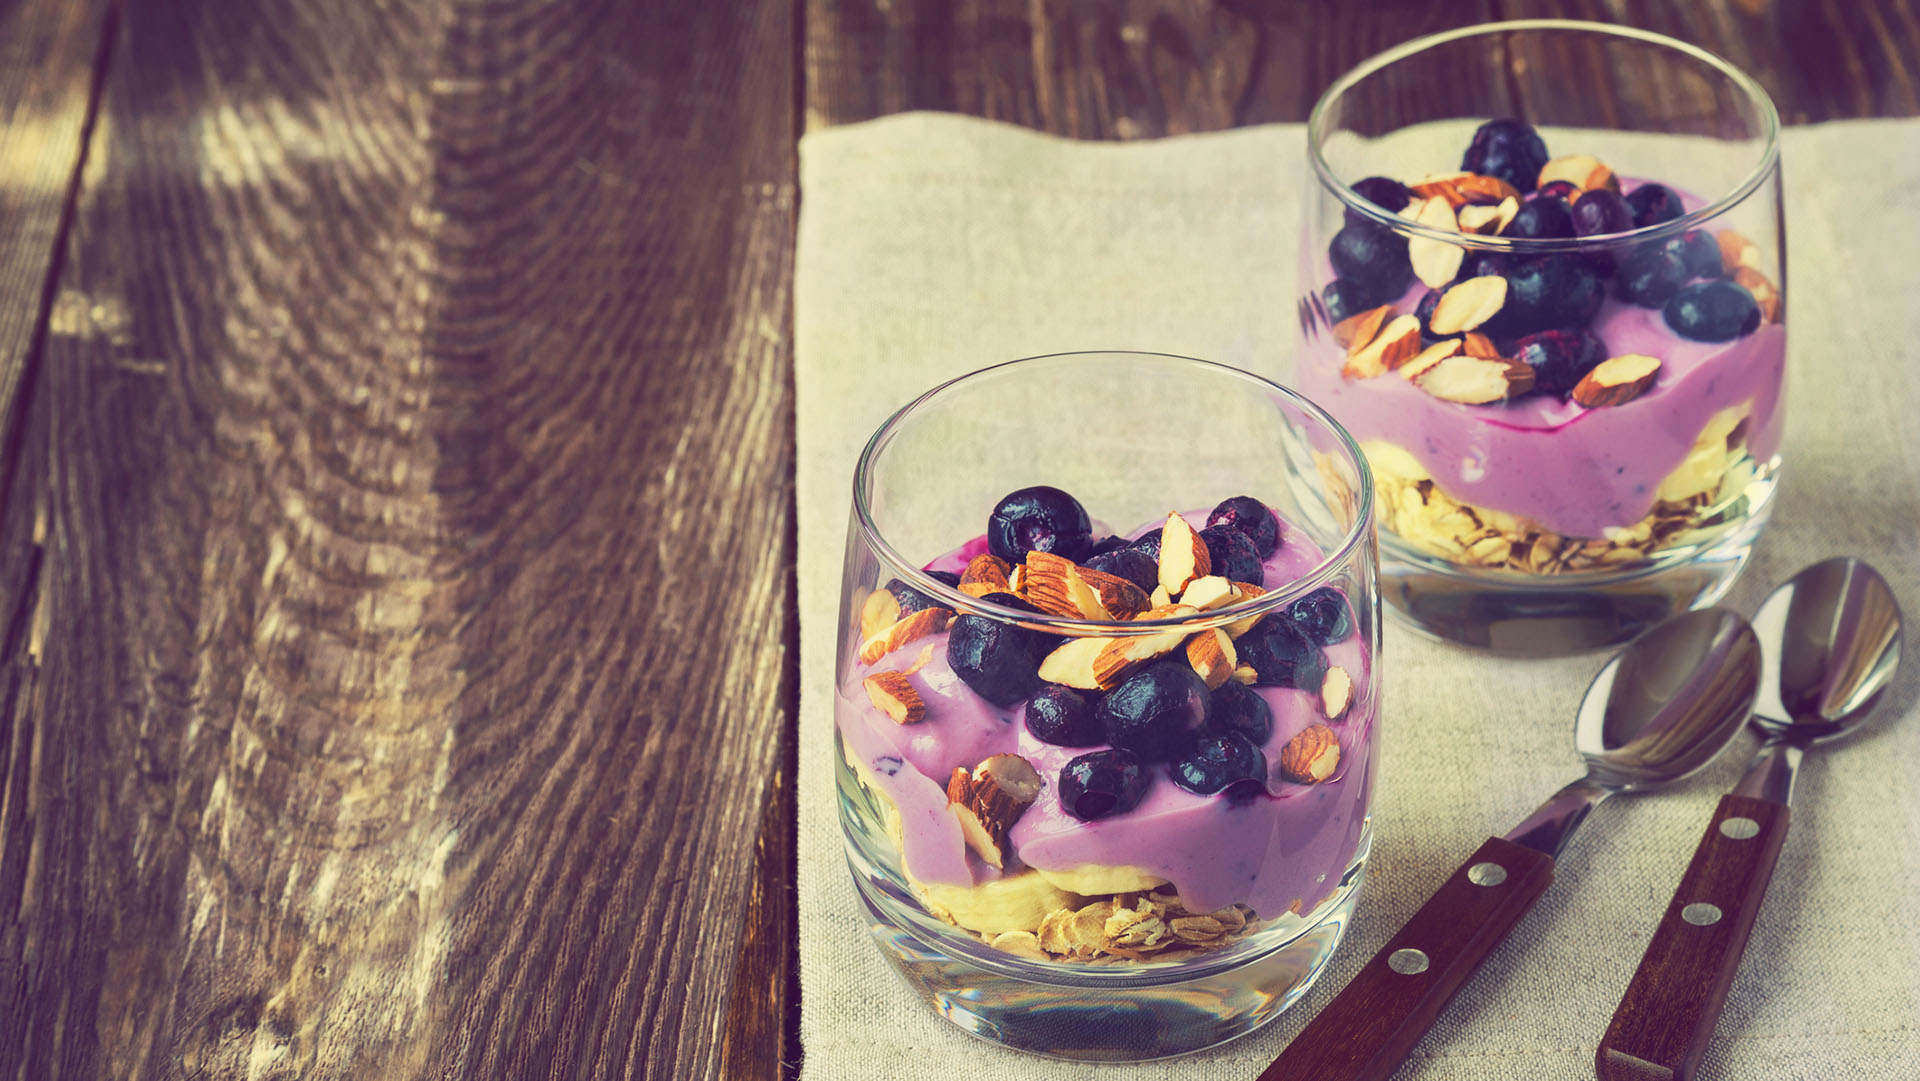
x: 1210, y: 740
x: 1550, y: 298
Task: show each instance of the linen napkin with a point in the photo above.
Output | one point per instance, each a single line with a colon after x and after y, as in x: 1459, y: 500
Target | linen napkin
x: 931, y: 245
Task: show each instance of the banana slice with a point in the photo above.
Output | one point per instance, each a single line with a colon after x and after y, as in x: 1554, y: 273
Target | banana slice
x: 1015, y: 903
x: 1093, y: 879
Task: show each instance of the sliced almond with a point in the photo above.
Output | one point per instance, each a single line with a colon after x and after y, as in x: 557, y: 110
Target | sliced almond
x: 894, y: 695
x: 1120, y: 655
x: 990, y: 799
x: 1336, y: 693
x: 1479, y: 218
x: 1396, y: 344
x: 1736, y: 250
x: 1055, y: 586
x: 1475, y: 344
x: 1468, y: 304
x: 1355, y: 331
x: 1412, y: 209
x: 1207, y: 593
x: 1436, y: 262
x: 1765, y: 293
x: 1476, y: 380
x: 878, y: 612
x: 1157, y: 599
x: 986, y: 569
x: 1311, y: 756
x: 1071, y: 663
x: 1459, y: 189
x: 1183, y: 555
x: 1017, y: 580
x: 1121, y: 598
x: 1509, y: 209
x: 1245, y: 676
x: 1212, y: 656
x: 1246, y: 592
x: 1616, y: 381
x: 1583, y: 171
x: 1428, y: 357
x: 912, y: 628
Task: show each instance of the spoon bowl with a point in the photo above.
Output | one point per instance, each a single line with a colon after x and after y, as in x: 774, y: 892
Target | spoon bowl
x: 1835, y: 628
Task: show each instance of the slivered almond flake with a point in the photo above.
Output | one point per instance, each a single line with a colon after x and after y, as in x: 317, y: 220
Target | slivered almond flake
x: 987, y: 569
x: 1017, y: 580
x: 989, y: 800
x: 1311, y: 756
x: 1736, y: 250
x: 1509, y: 208
x: 1212, y: 656
x: 1479, y: 218
x: 1336, y: 693
x: 1412, y: 209
x: 1245, y: 591
x: 1120, y: 654
x: 1476, y: 380
x: 1355, y: 331
x: 1616, y: 381
x: 1209, y: 592
x: 892, y: 694
x: 1054, y: 586
x: 1475, y: 344
x: 1245, y: 675
x: 1183, y: 555
x: 981, y: 589
x: 1435, y: 262
x: 878, y: 612
x: 1468, y: 304
x: 925, y: 658
x: 1765, y: 293
x: 1122, y: 598
x: 1071, y: 663
x: 1158, y: 599
x: 1583, y: 171
x: 1459, y: 189
x: 1428, y: 357
x: 1396, y: 344
x: 912, y: 628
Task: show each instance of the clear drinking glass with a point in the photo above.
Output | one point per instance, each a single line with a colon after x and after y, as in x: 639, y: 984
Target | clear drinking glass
x: 1065, y: 895
x: 1628, y: 267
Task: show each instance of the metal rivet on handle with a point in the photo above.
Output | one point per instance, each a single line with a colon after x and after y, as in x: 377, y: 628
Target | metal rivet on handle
x: 1740, y: 828
x: 1486, y: 874
x: 1407, y: 962
x: 1701, y: 914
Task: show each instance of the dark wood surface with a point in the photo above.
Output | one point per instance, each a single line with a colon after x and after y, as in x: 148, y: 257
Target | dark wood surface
x: 397, y: 640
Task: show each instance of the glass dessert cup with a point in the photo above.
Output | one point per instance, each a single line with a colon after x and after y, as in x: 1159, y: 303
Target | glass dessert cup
x: 1109, y: 874
x: 1562, y: 351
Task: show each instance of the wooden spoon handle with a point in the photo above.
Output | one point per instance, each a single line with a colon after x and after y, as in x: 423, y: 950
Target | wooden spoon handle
x: 1666, y: 1018
x: 1368, y: 1028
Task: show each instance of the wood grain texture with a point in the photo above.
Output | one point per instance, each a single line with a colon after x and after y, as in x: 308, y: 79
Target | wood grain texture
x: 418, y: 470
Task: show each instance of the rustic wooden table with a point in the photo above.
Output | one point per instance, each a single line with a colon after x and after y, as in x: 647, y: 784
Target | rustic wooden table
x: 397, y: 636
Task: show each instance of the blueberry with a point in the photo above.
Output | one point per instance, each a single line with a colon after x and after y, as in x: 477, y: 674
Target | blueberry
x: 1322, y: 616
x: 1559, y: 358
x: 1281, y: 656
x: 1345, y: 299
x: 1699, y: 251
x: 1599, y: 211
x: 1712, y: 311
x: 1216, y: 760
x: 1000, y: 661
x: 1232, y: 555
x: 1154, y: 711
x: 1111, y: 543
x: 1150, y: 544
x: 1133, y: 564
x: 1649, y: 276
x: 1424, y: 312
x: 1480, y: 264
x: 1652, y: 204
x: 1563, y: 190
x: 912, y: 600
x: 1509, y: 150
x: 1384, y: 192
x: 1239, y: 708
x: 1039, y: 519
x: 1063, y: 717
x: 1547, y: 292
x: 1373, y: 257
x: 1252, y: 517
x: 951, y: 578
x: 1102, y: 783
x: 1541, y: 218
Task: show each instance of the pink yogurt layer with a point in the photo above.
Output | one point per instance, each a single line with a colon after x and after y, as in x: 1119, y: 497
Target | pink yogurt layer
x: 1574, y: 470
x: 1266, y: 853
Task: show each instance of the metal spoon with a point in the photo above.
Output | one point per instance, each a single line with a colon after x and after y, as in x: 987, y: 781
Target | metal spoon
x: 1833, y: 642
x: 1658, y: 711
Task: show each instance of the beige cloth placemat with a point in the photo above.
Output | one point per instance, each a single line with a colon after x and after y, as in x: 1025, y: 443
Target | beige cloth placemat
x: 931, y: 245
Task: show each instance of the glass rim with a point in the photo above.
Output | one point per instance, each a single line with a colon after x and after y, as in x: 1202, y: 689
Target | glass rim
x: 1767, y: 165
x: 1330, y: 562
